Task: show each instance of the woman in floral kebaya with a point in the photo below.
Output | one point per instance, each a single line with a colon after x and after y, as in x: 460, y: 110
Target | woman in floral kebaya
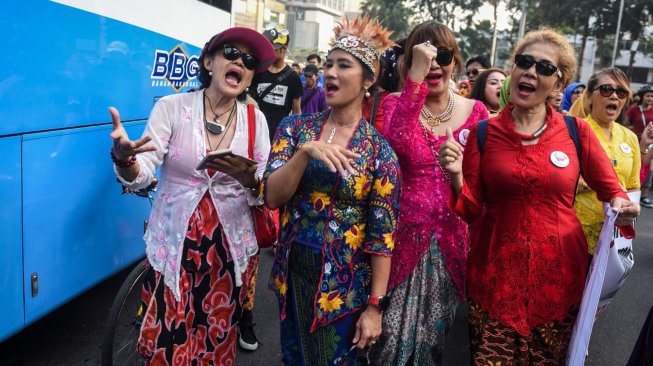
x: 338, y: 181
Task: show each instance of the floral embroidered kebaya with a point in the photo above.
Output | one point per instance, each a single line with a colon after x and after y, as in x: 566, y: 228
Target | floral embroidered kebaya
x: 346, y: 217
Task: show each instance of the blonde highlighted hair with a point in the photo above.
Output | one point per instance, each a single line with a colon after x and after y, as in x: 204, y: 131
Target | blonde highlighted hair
x: 546, y: 35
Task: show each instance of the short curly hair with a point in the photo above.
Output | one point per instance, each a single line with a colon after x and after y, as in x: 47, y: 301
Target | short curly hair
x: 567, y: 61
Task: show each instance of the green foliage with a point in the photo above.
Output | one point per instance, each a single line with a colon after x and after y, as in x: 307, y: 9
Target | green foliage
x: 394, y: 14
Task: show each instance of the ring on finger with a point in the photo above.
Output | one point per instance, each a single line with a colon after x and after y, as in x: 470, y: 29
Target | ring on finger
x: 427, y: 43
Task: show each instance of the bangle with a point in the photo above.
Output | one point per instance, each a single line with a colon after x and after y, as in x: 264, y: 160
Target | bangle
x: 123, y: 164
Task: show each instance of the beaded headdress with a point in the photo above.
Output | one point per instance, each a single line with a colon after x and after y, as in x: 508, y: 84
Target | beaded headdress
x: 365, y: 38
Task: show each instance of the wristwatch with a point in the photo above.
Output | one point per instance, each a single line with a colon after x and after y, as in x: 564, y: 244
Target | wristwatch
x: 380, y: 302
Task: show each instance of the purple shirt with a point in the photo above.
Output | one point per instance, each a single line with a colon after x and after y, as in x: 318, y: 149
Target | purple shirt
x: 317, y: 103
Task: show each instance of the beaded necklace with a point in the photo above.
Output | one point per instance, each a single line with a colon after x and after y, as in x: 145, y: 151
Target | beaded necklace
x: 435, y: 121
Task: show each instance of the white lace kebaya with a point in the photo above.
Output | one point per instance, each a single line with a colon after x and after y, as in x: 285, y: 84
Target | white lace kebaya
x: 176, y: 125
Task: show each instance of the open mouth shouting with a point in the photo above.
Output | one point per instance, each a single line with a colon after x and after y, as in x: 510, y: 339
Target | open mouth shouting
x: 612, y: 110
x: 526, y: 89
x: 233, y: 77
x: 433, y: 78
x: 331, y: 88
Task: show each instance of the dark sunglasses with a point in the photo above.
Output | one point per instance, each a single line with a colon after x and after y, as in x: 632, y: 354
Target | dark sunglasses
x: 606, y: 90
x: 541, y: 67
x: 473, y: 72
x: 444, y: 57
x: 232, y: 53
x: 577, y: 91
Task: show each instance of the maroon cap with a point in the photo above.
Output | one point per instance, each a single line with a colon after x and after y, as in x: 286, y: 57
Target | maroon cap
x: 258, y: 44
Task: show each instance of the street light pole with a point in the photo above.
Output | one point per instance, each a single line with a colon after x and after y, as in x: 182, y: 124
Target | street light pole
x: 495, y: 3
x: 522, y: 21
x: 616, y: 35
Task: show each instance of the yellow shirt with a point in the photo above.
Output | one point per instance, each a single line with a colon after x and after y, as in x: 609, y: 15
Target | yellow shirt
x: 623, y: 152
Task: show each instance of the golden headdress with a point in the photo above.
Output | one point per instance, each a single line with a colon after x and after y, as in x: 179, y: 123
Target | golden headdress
x: 365, y: 38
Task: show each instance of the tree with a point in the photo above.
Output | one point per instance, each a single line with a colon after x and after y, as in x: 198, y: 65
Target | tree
x: 475, y: 40
x: 394, y: 14
x: 448, y: 11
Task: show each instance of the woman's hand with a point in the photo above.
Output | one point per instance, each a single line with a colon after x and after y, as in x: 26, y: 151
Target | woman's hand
x: 124, y: 148
x: 628, y: 211
x: 335, y: 157
x: 244, y: 173
x: 368, y: 327
x: 647, y: 136
x: 451, y: 155
x: 423, y: 56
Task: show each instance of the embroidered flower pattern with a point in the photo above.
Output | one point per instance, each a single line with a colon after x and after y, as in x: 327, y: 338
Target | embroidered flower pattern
x: 330, y: 301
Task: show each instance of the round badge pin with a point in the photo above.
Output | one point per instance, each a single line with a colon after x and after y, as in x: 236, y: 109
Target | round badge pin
x: 559, y: 159
x: 626, y: 148
x: 462, y: 136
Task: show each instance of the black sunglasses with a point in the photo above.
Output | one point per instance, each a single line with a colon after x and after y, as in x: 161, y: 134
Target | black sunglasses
x: 541, y: 67
x: 444, y: 57
x: 606, y: 90
x: 232, y: 53
x: 473, y: 72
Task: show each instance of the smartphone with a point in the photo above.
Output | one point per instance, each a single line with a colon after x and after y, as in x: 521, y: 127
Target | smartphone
x: 221, y: 154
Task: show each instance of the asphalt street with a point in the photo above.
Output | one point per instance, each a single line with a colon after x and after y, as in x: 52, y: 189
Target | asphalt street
x: 72, y: 335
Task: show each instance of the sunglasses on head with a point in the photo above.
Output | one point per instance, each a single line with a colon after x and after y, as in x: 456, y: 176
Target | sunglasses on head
x: 541, y: 67
x: 473, y: 72
x: 606, y: 90
x: 232, y: 53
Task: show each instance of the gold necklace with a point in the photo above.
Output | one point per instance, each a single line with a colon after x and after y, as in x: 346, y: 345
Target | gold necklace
x: 333, y: 132
x: 435, y: 121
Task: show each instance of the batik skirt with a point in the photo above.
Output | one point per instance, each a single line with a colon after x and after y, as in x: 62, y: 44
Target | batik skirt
x: 421, y: 312
x: 200, y: 329
x: 493, y: 343
x: 327, y: 345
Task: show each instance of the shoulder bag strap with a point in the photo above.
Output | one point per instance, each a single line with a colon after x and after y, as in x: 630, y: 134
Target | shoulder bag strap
x: 375, y: 107
x: 251, y: 129
x: 643, y: 117
x: 276, y: 82
x: 308, y: 99
x: 481, y: 135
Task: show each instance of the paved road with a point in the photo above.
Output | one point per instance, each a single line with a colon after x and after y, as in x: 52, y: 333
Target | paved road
x: 72, y: 334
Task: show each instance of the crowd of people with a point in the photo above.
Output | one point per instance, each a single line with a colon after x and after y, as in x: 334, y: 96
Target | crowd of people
x: 402, y: 192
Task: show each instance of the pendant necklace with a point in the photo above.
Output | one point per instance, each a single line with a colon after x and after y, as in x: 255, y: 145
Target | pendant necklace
x: 333, y: 132
x: 215, y: 127
x: 230, y: 118
x: 435, y: 121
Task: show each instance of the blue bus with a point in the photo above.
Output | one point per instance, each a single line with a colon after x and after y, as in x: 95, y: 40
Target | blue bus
x: 64, y: 226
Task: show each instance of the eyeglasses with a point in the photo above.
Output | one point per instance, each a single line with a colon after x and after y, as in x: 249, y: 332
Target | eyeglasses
x: 473, y: 72
x: 444, y: 57
x: 606, y: 90
x: 541, y: 67
x: 577, y: 91
x: 232, y: 53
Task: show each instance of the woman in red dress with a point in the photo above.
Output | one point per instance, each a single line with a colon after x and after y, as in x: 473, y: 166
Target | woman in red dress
x: 527, y: 265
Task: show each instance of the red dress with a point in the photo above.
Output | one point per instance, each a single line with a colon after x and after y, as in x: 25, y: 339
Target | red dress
x: 528, y: 263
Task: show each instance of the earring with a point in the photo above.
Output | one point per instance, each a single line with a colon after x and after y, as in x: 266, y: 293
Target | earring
x: 210, y: 73
x: 367, y: 93
x: 247, y: 90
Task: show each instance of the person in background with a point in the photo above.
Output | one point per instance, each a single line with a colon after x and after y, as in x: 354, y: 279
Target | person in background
x: 429, y: 260
x: 278, y: 91
x: 606, y: 94
x: 338, y: 182
x: 487, y: 89
x: 528, y: 264
x: 298, y: 68
x: 315, y: 59
x: 555, y: 99
x: 571, y: 94
x: 388, y: 83
x: 464, y: 88
x: 475, y: 66
x: 201, y: 246
x: 314, y: 98
x: 639, y: 116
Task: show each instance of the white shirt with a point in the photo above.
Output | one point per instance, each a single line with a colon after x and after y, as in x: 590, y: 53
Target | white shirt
x: 176, y: 125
